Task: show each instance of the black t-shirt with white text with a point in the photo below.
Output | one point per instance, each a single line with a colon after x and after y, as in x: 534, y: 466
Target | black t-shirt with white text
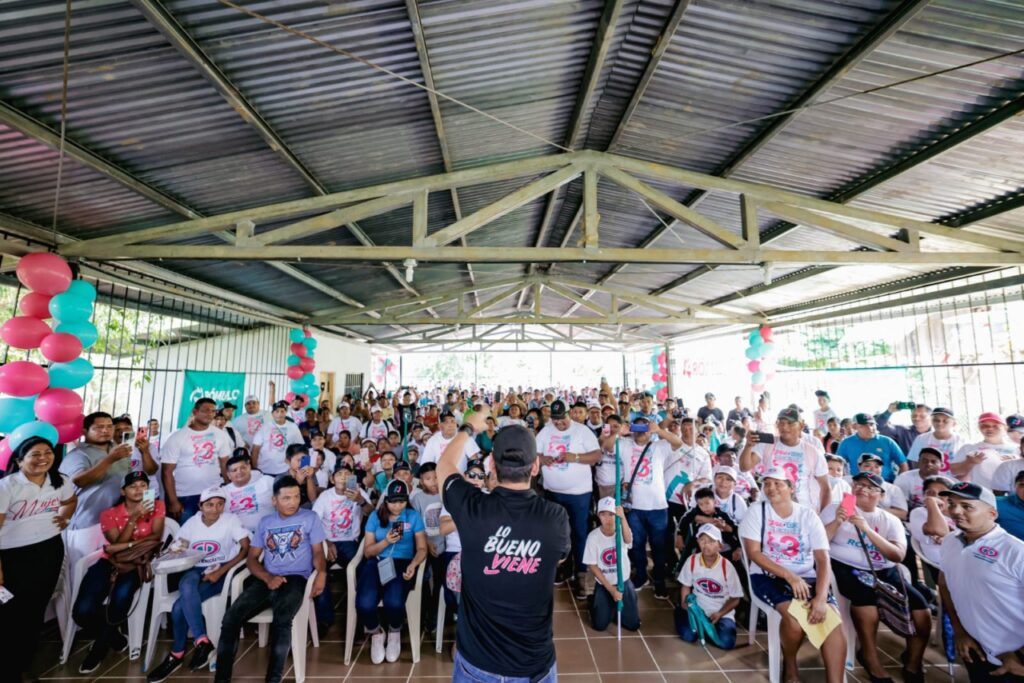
x: 512, y: 542
x: 704, y: 413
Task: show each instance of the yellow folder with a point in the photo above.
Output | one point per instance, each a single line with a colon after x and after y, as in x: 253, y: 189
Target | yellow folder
x: 816, y: 633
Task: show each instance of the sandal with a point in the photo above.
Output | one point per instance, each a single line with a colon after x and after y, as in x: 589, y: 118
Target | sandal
x: 872, y: 677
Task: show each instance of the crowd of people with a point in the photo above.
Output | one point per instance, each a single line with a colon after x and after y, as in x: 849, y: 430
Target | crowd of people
x: 710, y: 510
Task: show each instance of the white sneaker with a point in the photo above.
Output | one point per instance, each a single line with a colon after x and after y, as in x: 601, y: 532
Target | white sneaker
x: 377, y: 647
x: 394, y: 645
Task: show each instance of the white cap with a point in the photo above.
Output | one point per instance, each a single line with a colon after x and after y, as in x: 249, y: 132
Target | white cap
x: 606, y: 504
x: 252, y: 398
x: 343, y: 404
x: 375, y: 409
x: 710, y: 530
x: 726, y: 469
x: 212, y: 492
x: 777, y: 473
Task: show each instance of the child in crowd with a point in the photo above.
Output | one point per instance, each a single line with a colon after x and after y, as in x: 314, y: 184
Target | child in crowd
x: 705, y: 512
x: 715, y: 588
x: 426, y: 500
x: 601, y: 556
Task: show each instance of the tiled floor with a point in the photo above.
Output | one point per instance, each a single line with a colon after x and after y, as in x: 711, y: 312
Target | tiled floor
x: 653, y: 655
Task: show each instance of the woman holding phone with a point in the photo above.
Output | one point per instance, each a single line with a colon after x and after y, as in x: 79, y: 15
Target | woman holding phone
x: 36, y: 503
x: 871, y: 532
x: 136, y: 518
x: 394, y: 546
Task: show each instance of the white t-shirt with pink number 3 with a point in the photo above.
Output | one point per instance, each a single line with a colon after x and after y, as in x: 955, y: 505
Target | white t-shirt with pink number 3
x: 789, y: 541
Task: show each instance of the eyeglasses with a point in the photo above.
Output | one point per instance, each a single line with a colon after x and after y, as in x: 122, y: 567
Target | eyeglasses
x: 863, y: 485
x: 475, y: 475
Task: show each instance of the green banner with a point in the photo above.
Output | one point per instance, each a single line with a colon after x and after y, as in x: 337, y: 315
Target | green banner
x: 220, y: 386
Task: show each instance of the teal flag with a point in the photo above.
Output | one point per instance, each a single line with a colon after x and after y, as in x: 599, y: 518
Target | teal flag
x: 220, y: 386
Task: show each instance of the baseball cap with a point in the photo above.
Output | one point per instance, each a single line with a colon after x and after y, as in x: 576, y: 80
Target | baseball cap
x: 279, y: 405
x: 400, y: 465
x: 991, y: 417
x: 930, y: 449
x: 708, y: 395
x: 789, y: 414
x: 475, y: 464
x: 777, y: 473
x: 875, y: 480
x: 822, y: 392
x: 726, y: 469
x: 514, y: 446
x: 864, y: 457
x: 943, y: 411
x: 710, y: 530
x: 344, y: 404
x: 229, y: 404
x: 558, y: 410
x: 942, y: 479
x: 965, y: 489
x: 397, y: 490
x: 863, y: 419
x: 252, y: 398
x: 446, y: 414
x: 212, y: 492
x: 374, y: 409
x: 606, y: 504
x: 640, y: 418
x: 133, y: 477
x: 1015, y: 422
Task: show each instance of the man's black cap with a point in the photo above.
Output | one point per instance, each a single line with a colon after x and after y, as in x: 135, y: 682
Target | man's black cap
x: 875, y: 480
x: 558, y: 410
x: 515, y: 446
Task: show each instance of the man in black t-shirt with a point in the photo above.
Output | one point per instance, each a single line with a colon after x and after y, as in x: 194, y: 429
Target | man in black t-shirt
x: 512, y: 542
x: 709, y: 410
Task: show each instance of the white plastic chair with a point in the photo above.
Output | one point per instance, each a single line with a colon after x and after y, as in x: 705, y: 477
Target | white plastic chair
x: 439, y: 640
x: 163, y: 601
x: 774, y: 624
x: 137, y: 619
x: 299, y: 624
x: 412, y: 608
x: 849, y: 630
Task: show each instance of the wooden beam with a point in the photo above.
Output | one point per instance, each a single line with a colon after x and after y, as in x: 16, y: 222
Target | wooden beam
x: 748, y: 219
x: 590, y: 215
x: 497, y: 298
x: 544, y: 320
x: 683, y: 213
x: 831, y: 225
x: 419, y: 218
x: 505, y: 205
x: 572, y: 296
x: 334, y: 219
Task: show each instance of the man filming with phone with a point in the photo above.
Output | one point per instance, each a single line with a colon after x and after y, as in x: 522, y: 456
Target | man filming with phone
x: 802, y: 461
x: 644, y: 462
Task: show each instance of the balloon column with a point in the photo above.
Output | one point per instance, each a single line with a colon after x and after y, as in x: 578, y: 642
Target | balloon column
x: 300, y: 367
x: 659, y: 374
x: 37, y: 401
x: 759, y: 360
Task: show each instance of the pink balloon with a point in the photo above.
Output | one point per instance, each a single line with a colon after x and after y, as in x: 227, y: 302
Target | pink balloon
x: 24, y: 332
x: 308, y: 332
x: 662, y: 394
x: 5, y: 454
x: 290, y: 396
x: 45, y: 273
x: 766, y: 333
x: 61, y: 347
x: 307, y: 365
x: 299, y: 349
x: 769, y: 376
x: 295, y: 371
x: 757, y: 387
x: 58, y: 406
x: 69, y: 432
x: 23, y: 378
x: 35, y: 304
x: 754, y: 365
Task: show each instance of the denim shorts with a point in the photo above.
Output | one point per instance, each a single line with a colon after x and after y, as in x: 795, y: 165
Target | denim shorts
x: 776, y: 591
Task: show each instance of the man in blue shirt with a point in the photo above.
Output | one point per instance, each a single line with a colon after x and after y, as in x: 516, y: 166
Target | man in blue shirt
x: 1011, y: 508
x: 290, y: 542
x: 866, y: 439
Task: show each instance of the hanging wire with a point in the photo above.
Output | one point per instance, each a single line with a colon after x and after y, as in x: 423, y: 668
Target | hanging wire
x: 63, y: 116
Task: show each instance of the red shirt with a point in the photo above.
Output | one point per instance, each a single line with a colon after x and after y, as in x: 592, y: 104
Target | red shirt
x: 117, y: 518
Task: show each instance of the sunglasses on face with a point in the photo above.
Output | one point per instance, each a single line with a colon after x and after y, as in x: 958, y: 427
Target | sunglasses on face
x: 475, y: 475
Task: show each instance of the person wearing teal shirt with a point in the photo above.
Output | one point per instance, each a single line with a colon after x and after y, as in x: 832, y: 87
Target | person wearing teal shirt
x: 1011, y: 508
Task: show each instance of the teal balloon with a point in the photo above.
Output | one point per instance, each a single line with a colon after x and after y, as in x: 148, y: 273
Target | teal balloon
x: 83, y: 290
x: 30, y: 429
x: 16, y: 411
x: 296, y: 335
x: 757, y: 378
x: 309, y: 380
x: 73, y: 375
x: 753, y: 353
x: 755, y: 338
x: 299, y: 387
x: 309, y: 343
x: 83, y: 329
x: 68, y: 308
x: 767, y: 348
x: 313, y: 392
x: 313, y: 404
x: 310, y: 354
x: 293, y: 360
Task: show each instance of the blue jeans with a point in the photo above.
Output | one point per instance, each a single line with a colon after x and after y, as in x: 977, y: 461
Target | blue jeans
x: 189, y: 507
x: 578, y: 507
x: 187, y: 612
x: 89, y: 610
x: 725, y: 628
x: 648, y: 526
x: 370, y: 592
x: 467, y: 673
x: 257, y: 596
x: 324, y: 603
x: 603, y: 609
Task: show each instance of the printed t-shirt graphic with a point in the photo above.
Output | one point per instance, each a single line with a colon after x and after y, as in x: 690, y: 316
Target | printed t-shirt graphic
x: 948, y: 448
x: 252, y: 501
x: 600, y: 551
x: 341, y: 517
x: 196, y: 456
x: 802, y: 463
x: 788, y: 541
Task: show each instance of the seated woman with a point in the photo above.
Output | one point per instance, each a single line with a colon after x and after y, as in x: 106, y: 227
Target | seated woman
x: 930, y: 522
x: 387, y: 470
x: 225, y: 542
x: 873, y: 532
x: 136, y: 519
x: 787, y: 548
x: 302, y: 468
x: 394, y: 546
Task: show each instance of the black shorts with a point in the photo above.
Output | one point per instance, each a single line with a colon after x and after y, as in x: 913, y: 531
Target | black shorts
x: 862, y: 595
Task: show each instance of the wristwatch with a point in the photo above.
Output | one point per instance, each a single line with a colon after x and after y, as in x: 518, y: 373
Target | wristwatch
x: 468, y: 429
